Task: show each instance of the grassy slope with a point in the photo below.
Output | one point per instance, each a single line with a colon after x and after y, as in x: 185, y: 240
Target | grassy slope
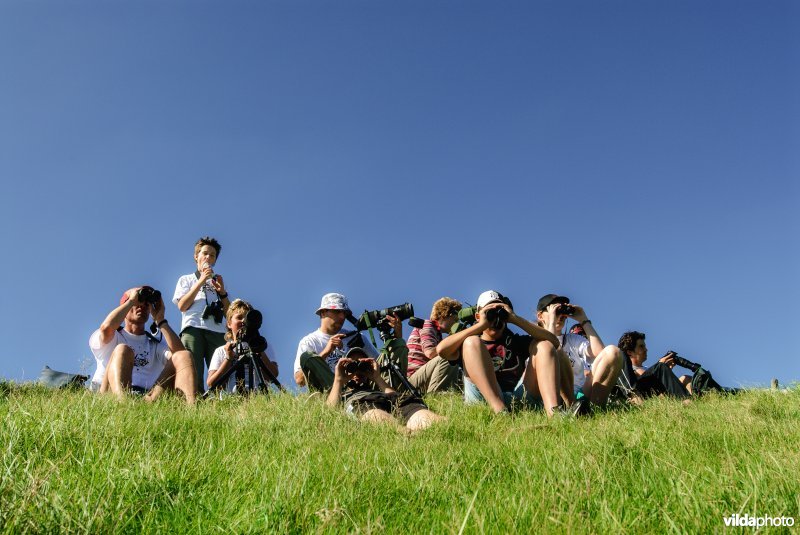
x: 81, y: 462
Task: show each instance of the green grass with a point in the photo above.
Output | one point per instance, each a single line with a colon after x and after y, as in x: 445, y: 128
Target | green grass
x: 79, y: 462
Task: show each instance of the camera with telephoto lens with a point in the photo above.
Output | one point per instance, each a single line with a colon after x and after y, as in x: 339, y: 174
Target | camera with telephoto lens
x: 378, y: 318
x: 683, y: 363
x: 249, y: 331
x: 150, y: 295
x: 567, y: 310
x: 358, y: 367
x: 214, y: 310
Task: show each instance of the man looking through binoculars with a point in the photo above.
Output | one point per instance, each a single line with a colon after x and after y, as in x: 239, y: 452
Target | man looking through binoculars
x: 502, y: 367
x: 129, y: 358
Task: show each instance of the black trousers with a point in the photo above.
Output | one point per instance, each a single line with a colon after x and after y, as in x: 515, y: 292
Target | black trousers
x: 657, y: 379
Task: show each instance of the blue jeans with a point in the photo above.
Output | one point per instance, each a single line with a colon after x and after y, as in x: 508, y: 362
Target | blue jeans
x: 517, y: 398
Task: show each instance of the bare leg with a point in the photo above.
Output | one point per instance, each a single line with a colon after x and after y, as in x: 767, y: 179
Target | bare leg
x: 479, y: 369
x: 119, y: 371
x: 423, y: 419
x: 605, y: 370
x: 178, y: 374
x: 686, y: 380
x: 541, y: 377
x: 377, y: 416
x: 567, y: 382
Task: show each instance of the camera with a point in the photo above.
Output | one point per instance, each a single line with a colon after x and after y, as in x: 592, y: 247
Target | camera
x: 150, y: 295
x: 358, y: 367
x: 377, y: 318
x: 249, y: 331
x: 683, y: 363
x: 214, y: 310
x: 567, y: 310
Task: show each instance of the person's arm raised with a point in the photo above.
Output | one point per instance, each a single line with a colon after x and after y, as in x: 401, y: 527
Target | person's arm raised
x: 117, y: 316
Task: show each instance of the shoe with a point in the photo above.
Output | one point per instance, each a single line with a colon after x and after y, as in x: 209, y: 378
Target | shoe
x: 580, y: 407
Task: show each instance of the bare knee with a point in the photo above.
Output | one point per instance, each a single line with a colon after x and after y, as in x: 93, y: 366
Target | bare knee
x: 422, y: 419
x: 122, y: 354
x: 544, y: 351
x: 182, y: 359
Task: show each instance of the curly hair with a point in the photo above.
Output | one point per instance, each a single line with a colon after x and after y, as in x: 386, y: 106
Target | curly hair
x: 207, y: 240
x: 627, y: 342
x: 445, y: 307
x: 238, y: 306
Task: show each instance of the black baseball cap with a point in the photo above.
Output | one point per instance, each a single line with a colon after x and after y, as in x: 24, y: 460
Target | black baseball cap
x: 547, y: 300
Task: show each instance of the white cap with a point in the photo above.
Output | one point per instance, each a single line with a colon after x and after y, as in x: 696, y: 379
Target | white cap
x: 333, y: 302
x: 489, y: 296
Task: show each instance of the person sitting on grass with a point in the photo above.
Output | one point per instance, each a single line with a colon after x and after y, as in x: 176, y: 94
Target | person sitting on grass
x: 131, y: 359
x: 427, y: 371
x: 226, y: 356
x: 318, y: 352
x: 203, y: 301
x: 503, y: 368
x: 585, y: 353
x: 367, y: 396
x: 636, y: 381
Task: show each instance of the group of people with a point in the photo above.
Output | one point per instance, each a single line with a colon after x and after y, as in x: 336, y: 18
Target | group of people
x: 542, y: 367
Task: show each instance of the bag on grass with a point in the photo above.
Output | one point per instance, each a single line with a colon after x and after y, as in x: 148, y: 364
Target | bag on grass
x: 55, y: 379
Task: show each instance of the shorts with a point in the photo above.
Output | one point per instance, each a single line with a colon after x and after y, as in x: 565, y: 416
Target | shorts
x: 402, y: 408
x: 519, y: 398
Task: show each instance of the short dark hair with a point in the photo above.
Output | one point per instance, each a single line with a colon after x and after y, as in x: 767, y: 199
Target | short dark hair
x: 627, y: 342
x: 207, y: 240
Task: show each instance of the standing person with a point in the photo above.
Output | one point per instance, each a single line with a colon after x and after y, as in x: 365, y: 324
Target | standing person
x: 203, y: 301
x: 502, y: 367
x: 584, y: 352
x: 225, y: 356
x: 131, y: 359
x: 427, y: 371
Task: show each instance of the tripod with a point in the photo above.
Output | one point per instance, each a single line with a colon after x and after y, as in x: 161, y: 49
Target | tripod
x: 395, y: 374
x: 250, y: 372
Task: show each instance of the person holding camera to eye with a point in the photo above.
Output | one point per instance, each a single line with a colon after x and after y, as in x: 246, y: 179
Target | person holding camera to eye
x: 202, y: 299
x: 503, y: 368
x: 131, y: 359
x: 585, y: 353
x: 366, y: 395
x: 226, y: 356
x: 319, y: 351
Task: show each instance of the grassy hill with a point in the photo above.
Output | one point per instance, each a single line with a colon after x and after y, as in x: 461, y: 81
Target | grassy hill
x: 78, y: 462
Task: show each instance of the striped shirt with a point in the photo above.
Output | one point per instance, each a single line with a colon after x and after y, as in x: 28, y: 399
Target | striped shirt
x: 428, y: 337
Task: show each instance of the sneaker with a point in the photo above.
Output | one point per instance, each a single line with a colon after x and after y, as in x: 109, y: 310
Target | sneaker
x: 580, y: 407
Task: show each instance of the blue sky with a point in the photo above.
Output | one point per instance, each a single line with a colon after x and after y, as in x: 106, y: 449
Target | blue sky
x: 640, y: 157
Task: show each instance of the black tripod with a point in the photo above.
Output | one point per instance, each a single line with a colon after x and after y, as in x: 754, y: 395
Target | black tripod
x: 250, y: 371
x: 395, y: 374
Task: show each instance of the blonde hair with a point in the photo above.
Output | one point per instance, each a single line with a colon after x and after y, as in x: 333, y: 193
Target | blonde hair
x: 238, y: 306
x: 445, y: 307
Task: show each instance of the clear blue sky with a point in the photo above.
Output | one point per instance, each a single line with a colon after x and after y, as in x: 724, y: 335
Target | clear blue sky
x: 640, y: 157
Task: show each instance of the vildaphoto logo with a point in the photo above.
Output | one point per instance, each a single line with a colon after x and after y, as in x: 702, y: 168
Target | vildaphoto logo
x: 747, y: 521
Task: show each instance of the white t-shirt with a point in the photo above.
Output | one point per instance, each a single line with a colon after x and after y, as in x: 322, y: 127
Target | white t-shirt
x: 219, y: 355
x: 148, y: 362
x: 193, y: 316
x: 316, y: 342
x: 577, y: 349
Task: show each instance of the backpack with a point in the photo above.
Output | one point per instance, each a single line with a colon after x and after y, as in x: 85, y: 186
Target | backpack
x: 54, y: 379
